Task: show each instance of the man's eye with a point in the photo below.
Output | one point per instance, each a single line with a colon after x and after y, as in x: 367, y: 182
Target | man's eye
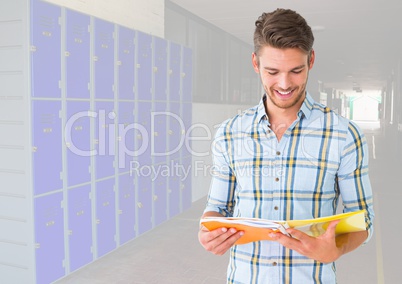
x: 297, y: 71
x: 272, y: 73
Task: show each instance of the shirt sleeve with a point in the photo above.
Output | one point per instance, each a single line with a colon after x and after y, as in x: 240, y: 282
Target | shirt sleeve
x: 221, y: 192
x: 353, y: 176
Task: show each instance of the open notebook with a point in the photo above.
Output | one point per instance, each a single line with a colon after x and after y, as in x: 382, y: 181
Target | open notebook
x: 256, y: 229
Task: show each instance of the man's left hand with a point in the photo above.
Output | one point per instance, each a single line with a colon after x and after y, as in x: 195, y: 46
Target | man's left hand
x: 322, y: 248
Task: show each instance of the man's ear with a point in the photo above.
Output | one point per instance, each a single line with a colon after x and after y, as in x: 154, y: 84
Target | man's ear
x: 256, y: 63
x: 312, y: 58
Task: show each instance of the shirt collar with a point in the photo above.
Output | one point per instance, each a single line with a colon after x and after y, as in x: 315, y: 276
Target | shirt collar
x: 305, y: 109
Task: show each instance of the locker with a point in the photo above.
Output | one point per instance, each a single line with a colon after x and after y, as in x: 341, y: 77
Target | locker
x: 144, y: 66
x: 160, y: 69
x: 143, y: 139
x: 46, y: 50
x: 186, y: 112
x: 158, y: 138
x: 79, y: 226
x: 49, y: 238
x: 187, y: 75
x: 186, y: 185
x: 159, y: 197
x: 77, y: 55
x: 126, y: 135
x: 174, y: 194
x: 126, y: 208
x: 174, y: 71
x: 46, y: 148
x: 175, y: 130
x: 105, y: 216
x: 125, y: 62
x: 144, y: 199
x: 77, y: 138
x: 103, y: 59
x: 105, y: 139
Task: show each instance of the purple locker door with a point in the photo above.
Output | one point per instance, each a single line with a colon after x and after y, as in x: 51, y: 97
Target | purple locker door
x: 143, y: 135
x: 160, y: 198
x: 159, y: 138
x: 78, y: 142
x: 105, y: 216
x: 47, y: 145
x: 174, y: 71
x: 126, y: 63
x: 77, y: 55
x: 174, y: 194
x: 104, y: 59
x: 175, y: 129
x: 144, y: 201
x: 126, y: 136
x: 46, y: 50
x: 160, y: 69
x: 79, y: 226
x: 49, y: 238
x: 144, y: 66
x: 187, y: 74
x: 126, y: 208
x: 105, y: 139
x: 186, y: 187
x: 187, y: 120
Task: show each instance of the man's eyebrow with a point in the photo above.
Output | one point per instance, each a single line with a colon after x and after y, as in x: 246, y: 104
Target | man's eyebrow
x: 295, y: 68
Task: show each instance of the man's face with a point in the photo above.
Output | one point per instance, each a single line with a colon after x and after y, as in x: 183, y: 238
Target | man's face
x: 284, y: 74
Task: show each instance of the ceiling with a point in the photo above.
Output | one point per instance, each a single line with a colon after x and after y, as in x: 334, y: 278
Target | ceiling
x: 357, y: 43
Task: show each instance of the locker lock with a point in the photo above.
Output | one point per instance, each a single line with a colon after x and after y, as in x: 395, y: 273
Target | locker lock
x: 155, y: 69
x: 170, y: 132
x: 155, y: 197
x: 139, y: 204
x: 156, y: 134
x: 46, y: 33
x: 170, y: 72
x: 119, y: 63
x: 34, y: 149
x: 50, y: 223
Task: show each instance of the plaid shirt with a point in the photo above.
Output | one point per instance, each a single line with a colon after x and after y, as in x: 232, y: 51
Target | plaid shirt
x: 320, y: 158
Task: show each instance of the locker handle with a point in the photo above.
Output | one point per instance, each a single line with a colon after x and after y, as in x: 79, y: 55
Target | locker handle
x: 155, y: 69
x: 170, y: 132
x: 155, y: 197
x: 97, y: 221
x: 156, y: 134
x: 139, y: 204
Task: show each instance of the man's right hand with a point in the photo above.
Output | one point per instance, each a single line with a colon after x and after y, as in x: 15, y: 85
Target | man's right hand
x: 220, y: 240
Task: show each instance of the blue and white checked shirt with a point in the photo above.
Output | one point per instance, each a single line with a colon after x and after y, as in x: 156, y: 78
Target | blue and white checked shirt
x: 320, y: 158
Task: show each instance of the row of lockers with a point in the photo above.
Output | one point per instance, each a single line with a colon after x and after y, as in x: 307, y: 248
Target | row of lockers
x: 109, y: 106
x: 113, y: 134
x: 87, y: 54
x: 94, y: 227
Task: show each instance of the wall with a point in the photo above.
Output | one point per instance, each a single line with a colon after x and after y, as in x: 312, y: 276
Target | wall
x: 146, y: 16
x: 206, y: 118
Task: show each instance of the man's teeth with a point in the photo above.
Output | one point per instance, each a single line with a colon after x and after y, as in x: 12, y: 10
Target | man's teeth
x: 284, y: 93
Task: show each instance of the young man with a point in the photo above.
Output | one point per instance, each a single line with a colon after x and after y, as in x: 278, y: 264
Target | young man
x: 287, y: 158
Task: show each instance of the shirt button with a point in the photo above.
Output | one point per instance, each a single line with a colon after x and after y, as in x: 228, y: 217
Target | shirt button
x: 276, y: 207
x: 278, y: 153
x: 276, y: 179
x: 274, y: 263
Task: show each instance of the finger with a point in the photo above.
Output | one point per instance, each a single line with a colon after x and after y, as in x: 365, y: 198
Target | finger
x: 284, y: 240
x: 331, y: 228
x: 228, y: 243
x: 214, y: 233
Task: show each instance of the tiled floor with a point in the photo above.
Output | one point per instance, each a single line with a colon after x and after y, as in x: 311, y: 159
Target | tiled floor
x: 171, y: 253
